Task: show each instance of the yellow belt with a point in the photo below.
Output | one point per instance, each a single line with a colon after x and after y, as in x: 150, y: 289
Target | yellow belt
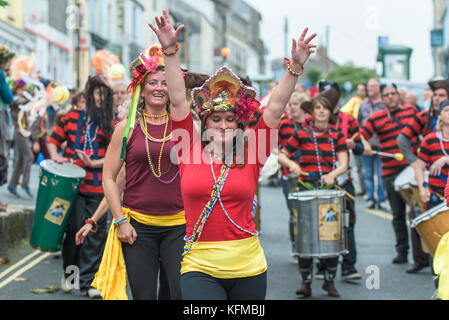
x: 110, y: 278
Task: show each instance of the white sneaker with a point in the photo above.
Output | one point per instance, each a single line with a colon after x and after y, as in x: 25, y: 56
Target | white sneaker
x: 93, y: 293
x: 64, y: 286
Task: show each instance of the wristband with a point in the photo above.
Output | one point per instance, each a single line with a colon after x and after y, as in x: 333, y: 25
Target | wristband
x: 120, y: 221
x: 93, y: 223
x: 170, y: 53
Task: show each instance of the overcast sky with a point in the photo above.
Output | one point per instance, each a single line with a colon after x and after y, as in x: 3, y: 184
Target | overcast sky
x: 354, y: 26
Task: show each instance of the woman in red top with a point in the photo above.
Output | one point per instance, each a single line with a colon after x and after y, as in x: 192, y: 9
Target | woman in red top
x: 324, y: 155
x: 222, y: 256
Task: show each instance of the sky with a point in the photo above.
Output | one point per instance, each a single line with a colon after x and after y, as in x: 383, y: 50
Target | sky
x: 354, y: 26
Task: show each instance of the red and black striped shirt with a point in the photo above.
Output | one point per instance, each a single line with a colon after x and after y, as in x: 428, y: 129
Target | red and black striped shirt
x: 431, y: 150
x: 72, y: 128
x: 286, y: 129
x: 416, y: 127
x: 388, y: 125
x: 345, y: 123
x: 310, y: 157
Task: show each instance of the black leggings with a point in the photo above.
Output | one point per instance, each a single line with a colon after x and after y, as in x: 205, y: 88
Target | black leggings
x: 142, y: 259
x: 201, y: 286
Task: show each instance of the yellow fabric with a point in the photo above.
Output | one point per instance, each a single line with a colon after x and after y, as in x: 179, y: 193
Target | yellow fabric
x: 352, y: 107
x: 110, y: 278
x: 441, y: 266
x: 226, y: 259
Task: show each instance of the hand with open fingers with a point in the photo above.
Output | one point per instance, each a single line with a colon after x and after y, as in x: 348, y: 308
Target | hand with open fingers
x: 85, y: 158
x: 435, y: 168
x: 126, y: 233
x: 302, y: 48
x: 82, y: 233
x: 165, y: 32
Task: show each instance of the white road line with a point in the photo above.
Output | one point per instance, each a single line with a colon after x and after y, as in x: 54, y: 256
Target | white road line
x: 19, y: 263
x: 25, y: 268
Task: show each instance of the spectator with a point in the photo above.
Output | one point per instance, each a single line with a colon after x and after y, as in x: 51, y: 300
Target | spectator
x: 411, y: 98
x: 5, y: 98
x: 372, y: 163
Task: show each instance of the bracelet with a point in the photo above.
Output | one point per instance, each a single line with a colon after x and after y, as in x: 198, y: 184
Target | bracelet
x: 170, y: 53
x: 93, y: 223
x: 289, y: 68
x: 297, y: 74
x: 120, y: 221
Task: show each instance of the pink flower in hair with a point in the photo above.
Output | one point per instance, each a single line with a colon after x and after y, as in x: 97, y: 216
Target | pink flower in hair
x: 151, y: 64
x: 245, y: 108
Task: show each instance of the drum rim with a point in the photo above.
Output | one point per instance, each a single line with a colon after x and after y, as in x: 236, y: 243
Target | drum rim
x: 44, y: 166
x: 332, y: 193
x: 429, y: 214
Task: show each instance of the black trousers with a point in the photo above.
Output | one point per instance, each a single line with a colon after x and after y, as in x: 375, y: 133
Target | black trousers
x: 399, y: 220
x: 419, y: 256
x: 350, y: 258
x: 201, y: 286
x: 87, y: 256
x: 153, y: 247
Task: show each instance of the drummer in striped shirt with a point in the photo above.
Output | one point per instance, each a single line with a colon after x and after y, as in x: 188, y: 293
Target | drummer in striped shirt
x: 324, y: 155
x: 388, y: 124
x: 434, y: 155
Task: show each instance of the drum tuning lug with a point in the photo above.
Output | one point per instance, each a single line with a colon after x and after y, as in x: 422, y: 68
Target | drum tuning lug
x: 75, y: 186
x: 44, y: 181
x: 54, y: 182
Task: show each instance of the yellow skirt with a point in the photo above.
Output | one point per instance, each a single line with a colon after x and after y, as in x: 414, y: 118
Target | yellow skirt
x: 226, y: 259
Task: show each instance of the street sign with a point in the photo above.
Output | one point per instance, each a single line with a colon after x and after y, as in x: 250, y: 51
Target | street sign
x: 436, y: 38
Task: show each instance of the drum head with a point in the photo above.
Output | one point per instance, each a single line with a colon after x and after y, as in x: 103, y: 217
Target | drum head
x: 404, y: 179
x: 315, y: 194
x: 67, y: 170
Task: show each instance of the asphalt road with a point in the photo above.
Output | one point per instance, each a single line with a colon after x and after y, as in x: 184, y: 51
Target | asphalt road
x: 374, y: 241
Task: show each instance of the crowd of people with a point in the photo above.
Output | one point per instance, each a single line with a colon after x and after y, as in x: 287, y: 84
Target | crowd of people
x: 183, y: 205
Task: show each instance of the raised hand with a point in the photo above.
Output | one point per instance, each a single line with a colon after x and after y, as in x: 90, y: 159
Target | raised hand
x: 165, y: 32
x: 302, y: 49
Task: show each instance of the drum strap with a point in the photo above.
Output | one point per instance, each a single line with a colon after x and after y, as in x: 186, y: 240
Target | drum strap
x: 79, y: 131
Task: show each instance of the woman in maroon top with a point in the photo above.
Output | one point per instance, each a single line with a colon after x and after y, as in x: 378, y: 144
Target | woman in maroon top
x: 150, y: 224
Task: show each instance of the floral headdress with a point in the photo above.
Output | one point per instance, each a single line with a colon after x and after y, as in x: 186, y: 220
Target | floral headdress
x: 149, y: 61
x: 224, y: 91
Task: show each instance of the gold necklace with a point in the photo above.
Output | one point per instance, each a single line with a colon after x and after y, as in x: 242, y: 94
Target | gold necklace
x: 144, y: 124
x: 154, y: 115
x: 149, y: 135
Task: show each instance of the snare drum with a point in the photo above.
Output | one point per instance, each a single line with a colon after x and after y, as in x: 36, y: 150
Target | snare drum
x: 58, y: 189
x: 320, y: 223
x: 432, y: 225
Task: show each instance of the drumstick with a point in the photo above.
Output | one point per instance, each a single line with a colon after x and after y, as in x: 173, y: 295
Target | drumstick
x: 354, y: 136
x: 311, y: 175
x: 350, y: 196
x: 397, y: 156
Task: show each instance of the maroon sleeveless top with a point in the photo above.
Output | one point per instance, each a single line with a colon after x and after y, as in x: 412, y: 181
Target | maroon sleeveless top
x: 144, y: 192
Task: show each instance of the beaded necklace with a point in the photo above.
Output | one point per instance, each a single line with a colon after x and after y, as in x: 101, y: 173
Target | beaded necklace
x: 317, y: 152
x: 215, y: 195
x: 88, y: 139
x: 151, y: 138
x: 440, y: 137
x: 143, y: 122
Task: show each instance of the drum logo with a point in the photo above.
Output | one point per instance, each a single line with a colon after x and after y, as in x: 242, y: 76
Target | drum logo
x: 329, y: 222
x: 57, y: 211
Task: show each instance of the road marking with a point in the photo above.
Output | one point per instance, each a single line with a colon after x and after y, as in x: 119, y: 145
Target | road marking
x: 383, y: 215
x: 19, y: 263
x: 25, y: 268
x: 379, y: 213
